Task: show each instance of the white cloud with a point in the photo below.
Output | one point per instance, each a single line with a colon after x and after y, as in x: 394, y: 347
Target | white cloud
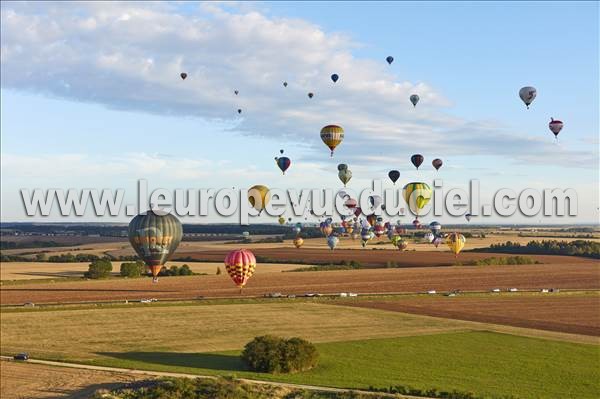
x: 129, y: 56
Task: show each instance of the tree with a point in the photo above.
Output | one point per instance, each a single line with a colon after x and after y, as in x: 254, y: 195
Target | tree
x: 99, y: 268
x: 272, y: 354
x: 132, y: 269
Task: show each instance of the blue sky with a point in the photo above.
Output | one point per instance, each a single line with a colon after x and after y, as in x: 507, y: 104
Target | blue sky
x: 91, y: 96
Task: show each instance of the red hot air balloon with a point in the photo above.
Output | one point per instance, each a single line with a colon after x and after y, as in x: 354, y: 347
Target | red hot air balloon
x: 240, y: 265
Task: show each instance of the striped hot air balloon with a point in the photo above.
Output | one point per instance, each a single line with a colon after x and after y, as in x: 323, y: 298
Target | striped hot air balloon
x: 240, y: 265
x: 332, y: 136
x: 154, y: 237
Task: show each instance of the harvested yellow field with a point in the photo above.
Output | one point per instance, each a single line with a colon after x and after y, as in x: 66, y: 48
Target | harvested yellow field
x: 45, y: 270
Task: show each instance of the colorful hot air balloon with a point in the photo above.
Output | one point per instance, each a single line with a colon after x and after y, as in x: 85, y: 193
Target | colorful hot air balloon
x: 298, y: 242
x: 389, y: 59
x: 455, y: 242
x: 416, y: 195
x: 310, y: 95
x: 240, y: 265
x: 345, y: 175
x: 183, y: 75
x: 283, y: 163
x: 394, y: 175
x: 259, y: 197
x: 281, y: 220
x: 555, y: 126
x: 527, y: 95
x: 332, y: 242
x: 379, y: 230
x: 402, y: 244
x: 417, y: 160
x: 437, y: 163
x: 395, y: 240
x: 326, y: 228
x: 372, y: 220
x: 154, y: 238
x: 350, y: 203
x: 332, y: 136
x: 335, y: 77
x: 365, y: 236
x: 414, y: 99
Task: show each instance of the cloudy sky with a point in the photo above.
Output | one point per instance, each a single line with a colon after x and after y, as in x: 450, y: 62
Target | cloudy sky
x: 91, y: 96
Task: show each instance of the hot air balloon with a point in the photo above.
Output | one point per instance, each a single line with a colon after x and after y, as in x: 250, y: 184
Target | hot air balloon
x: 414, y: 99
x: 437, y: 163
x: 239, y: 111
x: 555, y: 126
x: 429, y: 237
x: 416, y: 224
x: 183, y: 75
x: 416, y: 195
x: 437, y: 241
x: 389, y: 59
x: 394, y: 175
x: 365, y: 236
x: 468, y: 217
x: 310, y: 95
x: 332, y: 136
x: 298, y: 242
x: 246, y: 234
x: 375, y: 201
x: 259, y: 197
x: 395, y: 240
x: 281, y: 220
x: 283, y: 163
x: 332, y: 242
x: 236, y: 92
x: 240, y: 265
x: 372, y: 220
x: 326, y: 228
x: 350, y: 203
x: 402, y: 244
x: 435, y: 227
x: 154, y: 238
x: 342, y: 166
x: 335, y: 77
x: 284, y: 84
x: 345, y: 175
x: 417, y: 160
x: 527, y: 95
x: 455, y: 242
x: 379, y: 230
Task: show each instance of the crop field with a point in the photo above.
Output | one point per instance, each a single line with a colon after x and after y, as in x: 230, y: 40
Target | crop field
x: 577, y: 314
x: 578, y: 273
x: 47, y: 270
x: 358, y: 347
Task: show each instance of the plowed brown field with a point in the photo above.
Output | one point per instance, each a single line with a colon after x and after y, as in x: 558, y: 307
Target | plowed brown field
x: 557, y: 272
x: 570, y: 314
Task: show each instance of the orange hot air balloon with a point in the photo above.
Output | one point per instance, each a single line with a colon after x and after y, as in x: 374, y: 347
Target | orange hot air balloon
x: 298, y: 242
x: 240, y: 265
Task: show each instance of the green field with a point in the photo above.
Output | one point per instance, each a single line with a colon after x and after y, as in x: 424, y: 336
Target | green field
x: 359, y: 347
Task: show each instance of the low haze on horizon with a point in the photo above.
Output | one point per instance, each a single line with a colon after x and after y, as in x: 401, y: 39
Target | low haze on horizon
x: 92, y: 98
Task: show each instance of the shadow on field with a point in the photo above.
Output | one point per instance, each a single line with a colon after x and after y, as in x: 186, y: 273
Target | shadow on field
x: 212, y: 361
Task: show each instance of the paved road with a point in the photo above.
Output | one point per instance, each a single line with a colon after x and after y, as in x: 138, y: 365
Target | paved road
x: 184, y: 375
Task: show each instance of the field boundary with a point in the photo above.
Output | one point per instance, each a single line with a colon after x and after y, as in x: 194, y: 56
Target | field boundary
x: 212, y: 377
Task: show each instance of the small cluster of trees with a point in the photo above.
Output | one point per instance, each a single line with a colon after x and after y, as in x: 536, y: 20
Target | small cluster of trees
x: 270, y: 354
x: 183, y: 270
x: 101, y: 268
x: 583, y: 248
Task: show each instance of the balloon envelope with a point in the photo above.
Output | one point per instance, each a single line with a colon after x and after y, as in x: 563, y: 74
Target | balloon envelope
x: 416, y: 195
x: 332, y: 136
x: 345, y: 176
x: 259, y: 197
x: 414, y: 99
x: 417, y: 160
x: 527, y: 95
x: 555, y: 126
x: 455, y: 242
x: 183, y: 75
x: 240, y: 265
x: 394, y: 175
x: 389, y: 59
x: 437, y: 163
x: 283, y: 163
x: 335, y: 77
x: 332, y: 242
x: 154, y: 238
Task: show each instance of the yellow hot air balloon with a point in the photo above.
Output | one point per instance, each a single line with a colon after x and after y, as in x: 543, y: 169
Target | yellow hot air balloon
x: 281, y: 220
x: 455, y: 242
x: 298, y: 242
x: 259, y: 197
x: 332, y: 136
x: 416, y: 195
